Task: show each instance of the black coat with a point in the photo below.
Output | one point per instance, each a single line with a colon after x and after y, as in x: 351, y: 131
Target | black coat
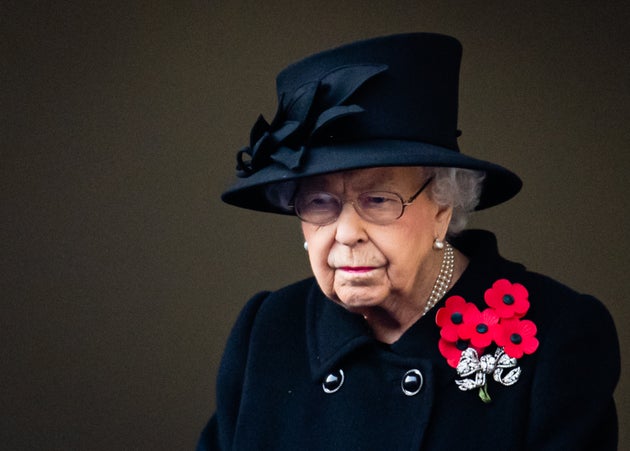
x: 285, y: 344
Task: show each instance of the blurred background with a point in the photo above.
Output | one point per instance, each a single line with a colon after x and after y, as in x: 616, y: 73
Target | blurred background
x: 121, y: 271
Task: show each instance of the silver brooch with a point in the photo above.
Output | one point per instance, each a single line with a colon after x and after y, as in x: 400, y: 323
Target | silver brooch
x: 470, y: 364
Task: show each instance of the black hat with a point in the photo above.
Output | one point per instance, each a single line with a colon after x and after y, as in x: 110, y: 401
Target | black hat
x: 388, y: 101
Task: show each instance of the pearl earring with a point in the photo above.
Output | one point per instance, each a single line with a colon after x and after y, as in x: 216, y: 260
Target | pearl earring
x: 306, y: 246
x: 438, y: 244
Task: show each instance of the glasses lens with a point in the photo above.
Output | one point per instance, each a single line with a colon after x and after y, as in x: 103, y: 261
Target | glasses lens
x: 317, y: 207
x: 380, y: 207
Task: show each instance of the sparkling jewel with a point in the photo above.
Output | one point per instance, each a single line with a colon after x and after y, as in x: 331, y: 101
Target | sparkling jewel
x: 443, y: 279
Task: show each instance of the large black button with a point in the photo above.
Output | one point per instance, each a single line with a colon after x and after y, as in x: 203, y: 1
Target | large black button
x: 333, y: 381
x: 412, y: 382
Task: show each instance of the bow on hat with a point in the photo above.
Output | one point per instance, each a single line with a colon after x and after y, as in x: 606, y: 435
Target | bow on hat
x: 301, y: 118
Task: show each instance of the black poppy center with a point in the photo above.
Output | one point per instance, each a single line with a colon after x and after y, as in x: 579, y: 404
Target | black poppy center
x: 481, y: 328
x: 516, y: 339
x: 462, y: 345
x: 457, y: 318
x: 508, y: 299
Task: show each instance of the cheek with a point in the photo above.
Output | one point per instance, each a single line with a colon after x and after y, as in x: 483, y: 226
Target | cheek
x: 407, y: 251
x: 324, y: 275
x: 319, y: 245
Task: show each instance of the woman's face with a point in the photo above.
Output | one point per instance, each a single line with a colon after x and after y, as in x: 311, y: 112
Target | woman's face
x: 363, y: 265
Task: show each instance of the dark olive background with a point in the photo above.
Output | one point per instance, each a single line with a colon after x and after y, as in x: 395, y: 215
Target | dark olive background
x: 122, y: 272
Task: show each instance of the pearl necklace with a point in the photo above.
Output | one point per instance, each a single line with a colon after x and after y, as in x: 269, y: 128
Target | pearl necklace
x: 443, y: 279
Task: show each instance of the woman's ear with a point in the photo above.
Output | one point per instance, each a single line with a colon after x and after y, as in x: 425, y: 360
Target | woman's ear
x: 443, y: 217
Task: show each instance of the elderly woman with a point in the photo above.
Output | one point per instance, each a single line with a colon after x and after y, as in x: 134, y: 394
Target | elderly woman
x: 413, y: 334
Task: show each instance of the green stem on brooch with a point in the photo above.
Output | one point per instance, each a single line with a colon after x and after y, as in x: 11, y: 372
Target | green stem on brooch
x: 483, y: 394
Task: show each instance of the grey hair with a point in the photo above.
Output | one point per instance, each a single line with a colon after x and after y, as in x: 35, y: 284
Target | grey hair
x: 454, y: 187
x: 458, y: 188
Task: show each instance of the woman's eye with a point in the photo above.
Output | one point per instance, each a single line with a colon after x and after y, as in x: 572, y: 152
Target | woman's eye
x: 320, y: 201
x: 377, y: 201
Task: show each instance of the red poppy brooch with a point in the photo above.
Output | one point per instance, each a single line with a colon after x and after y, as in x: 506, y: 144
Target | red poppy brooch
x: 466, y: 333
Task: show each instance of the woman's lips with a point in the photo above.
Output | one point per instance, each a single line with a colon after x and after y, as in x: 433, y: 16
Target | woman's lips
x: 357, y: 269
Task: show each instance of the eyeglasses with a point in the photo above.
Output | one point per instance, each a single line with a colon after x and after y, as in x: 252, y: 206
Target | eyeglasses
x: 378, y: 207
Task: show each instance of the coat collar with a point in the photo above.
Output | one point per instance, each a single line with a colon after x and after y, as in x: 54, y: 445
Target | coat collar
x: 332, y: 332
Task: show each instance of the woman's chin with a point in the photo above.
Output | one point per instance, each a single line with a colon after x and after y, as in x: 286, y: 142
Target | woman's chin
x: 358, y: 299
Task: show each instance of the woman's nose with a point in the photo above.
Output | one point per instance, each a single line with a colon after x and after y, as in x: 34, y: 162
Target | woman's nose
x: 350, y: 227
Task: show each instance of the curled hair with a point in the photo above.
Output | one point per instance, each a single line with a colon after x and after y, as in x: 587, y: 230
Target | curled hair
x: 458, y: 188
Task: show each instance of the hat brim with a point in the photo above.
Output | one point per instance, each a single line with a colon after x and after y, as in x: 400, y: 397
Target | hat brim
x: 500, y: 184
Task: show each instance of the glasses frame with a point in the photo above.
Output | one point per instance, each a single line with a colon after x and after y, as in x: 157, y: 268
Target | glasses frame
x: 359, y: 211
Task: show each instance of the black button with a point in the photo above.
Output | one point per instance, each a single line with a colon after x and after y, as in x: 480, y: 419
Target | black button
x: 333, y: 381
x: 412, y: 382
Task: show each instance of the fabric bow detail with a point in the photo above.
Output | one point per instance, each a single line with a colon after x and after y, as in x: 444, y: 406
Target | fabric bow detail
x: 302, y: 118
x: 471, y: 364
